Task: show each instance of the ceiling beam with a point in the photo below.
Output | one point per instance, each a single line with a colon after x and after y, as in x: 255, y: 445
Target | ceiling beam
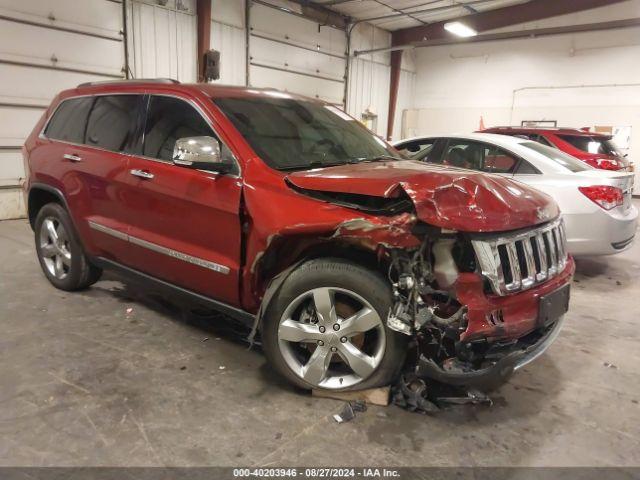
x: 399, y: 13
x: 335, y: 2
x: 534, y: 33
x: 498, y: 18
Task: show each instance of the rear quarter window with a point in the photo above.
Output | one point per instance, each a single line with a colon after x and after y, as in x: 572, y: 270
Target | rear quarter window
x: 69, y: 120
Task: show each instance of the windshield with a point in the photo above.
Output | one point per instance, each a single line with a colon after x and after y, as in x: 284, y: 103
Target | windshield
x: 559, y: 157
x: 291, y: 134
x: 595, y: 145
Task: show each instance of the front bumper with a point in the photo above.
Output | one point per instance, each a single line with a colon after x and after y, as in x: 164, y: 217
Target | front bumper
x: 492, y: 317
x: 508, y: 325
x: 496, y: 373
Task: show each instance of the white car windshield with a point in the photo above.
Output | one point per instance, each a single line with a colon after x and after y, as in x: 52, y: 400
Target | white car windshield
x: 561, y: 158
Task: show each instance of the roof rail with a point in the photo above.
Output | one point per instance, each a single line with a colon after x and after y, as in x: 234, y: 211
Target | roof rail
x: 136, y: 80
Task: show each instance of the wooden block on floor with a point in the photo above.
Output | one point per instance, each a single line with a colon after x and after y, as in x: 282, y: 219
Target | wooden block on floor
x: 372, y: 396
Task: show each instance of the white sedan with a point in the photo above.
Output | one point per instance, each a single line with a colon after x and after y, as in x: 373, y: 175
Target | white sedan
x: 596, y: 204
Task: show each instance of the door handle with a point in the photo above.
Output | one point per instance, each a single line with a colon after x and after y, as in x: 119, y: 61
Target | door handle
x: 72, y: 157
x: 141, y: 174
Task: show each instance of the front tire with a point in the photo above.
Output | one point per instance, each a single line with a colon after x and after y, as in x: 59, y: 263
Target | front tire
x: 59, y: 250
x: 327, y: 329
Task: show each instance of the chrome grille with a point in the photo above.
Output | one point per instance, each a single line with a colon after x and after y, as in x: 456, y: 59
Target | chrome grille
x: 513, y: 263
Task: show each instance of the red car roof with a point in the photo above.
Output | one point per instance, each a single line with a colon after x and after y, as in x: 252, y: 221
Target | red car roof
x: 556, y: 130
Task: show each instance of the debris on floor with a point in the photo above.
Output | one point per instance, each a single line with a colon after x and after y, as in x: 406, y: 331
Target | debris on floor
x: 349, y: 410
x: 417, y: 395
x: 373, y: 396
x: 412, y: 395
x: 609, y: 365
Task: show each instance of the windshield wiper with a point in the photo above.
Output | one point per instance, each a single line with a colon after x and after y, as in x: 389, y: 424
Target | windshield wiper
x: 378, y: 158
x: 349, y: 161
x: 314, y: 164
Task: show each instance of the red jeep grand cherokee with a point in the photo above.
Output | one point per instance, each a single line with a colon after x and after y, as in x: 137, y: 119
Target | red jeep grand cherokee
x: 595, y: 149
x: 285, y: 213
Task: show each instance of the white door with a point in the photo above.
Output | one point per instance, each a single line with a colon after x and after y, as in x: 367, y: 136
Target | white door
x: 296, y: 54
x: 48, y: 47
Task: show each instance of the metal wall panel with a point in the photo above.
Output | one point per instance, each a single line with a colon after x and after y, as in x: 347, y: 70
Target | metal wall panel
x: 369, y: 90
x: 296, y: 54
x: 406, y: 92
x: 162, y: 42
x: 230, y: 41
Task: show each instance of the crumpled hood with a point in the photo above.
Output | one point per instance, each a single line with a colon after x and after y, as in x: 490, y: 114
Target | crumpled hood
x: 445, y: 197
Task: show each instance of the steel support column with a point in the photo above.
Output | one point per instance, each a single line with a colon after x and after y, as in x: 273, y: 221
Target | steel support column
x: 203, y: 10
x: 396, y: 65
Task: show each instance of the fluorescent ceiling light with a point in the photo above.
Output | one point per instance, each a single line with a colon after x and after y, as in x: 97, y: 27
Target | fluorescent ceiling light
x: 460, y: 29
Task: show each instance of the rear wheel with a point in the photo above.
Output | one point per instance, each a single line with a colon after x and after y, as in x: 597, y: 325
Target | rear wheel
x: 327, y: 329
x: 59, y: 250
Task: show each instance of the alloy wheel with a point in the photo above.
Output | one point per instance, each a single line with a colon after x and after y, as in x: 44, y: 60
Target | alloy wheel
x: 55, y: 248
x: 331, y: 338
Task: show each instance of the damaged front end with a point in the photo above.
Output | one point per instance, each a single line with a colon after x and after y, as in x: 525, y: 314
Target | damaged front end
x: 478, y: 307
x: 477, y: 263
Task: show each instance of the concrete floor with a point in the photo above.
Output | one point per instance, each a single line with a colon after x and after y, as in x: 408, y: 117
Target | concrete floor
x: 111, y: 376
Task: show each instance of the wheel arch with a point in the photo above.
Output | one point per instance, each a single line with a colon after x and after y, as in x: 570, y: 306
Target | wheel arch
x: 39, y: 195
x: 288, y: 251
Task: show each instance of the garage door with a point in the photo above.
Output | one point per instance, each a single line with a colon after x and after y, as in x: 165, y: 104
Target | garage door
x: 48, y: 47
x: 296, y: 54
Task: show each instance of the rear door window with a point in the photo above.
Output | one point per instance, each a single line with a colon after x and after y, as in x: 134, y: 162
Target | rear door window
x: 479, y: 156
x: 497, y: 160
x: 525, y: 168
x: 112, y: 121
x: 69, y: 120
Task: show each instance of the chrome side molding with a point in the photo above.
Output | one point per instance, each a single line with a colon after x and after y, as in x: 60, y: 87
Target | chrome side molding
x: 200, y: 262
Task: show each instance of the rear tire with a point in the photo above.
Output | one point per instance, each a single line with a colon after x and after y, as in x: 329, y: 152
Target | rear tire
x: 60, y: 252
x: 341, y: 344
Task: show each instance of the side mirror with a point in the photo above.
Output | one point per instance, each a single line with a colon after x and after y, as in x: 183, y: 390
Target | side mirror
x: 201, y: 153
